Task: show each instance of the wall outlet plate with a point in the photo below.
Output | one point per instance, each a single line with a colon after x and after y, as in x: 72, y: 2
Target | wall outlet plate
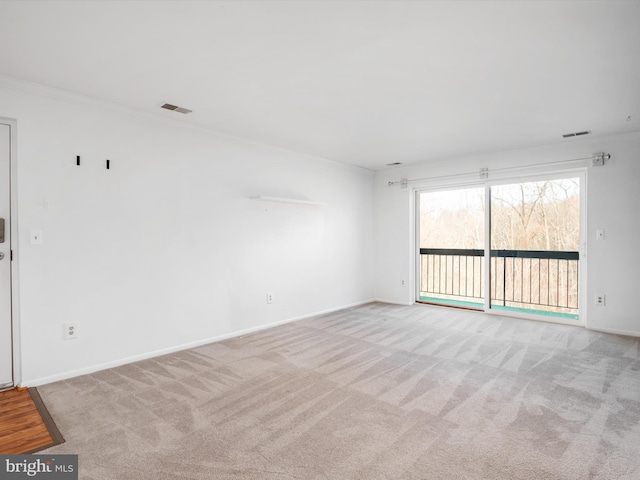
x: 601, y: 300
x: 70, y: 331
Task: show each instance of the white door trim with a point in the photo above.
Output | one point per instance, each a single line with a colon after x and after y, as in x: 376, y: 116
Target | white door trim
x: 15, y: 303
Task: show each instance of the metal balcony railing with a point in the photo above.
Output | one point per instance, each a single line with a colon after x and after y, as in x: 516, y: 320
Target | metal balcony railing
x: 536, y: 280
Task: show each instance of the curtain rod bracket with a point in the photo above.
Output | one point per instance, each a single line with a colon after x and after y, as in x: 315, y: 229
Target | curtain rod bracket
x: 403, y: 182
x: 599, y: 158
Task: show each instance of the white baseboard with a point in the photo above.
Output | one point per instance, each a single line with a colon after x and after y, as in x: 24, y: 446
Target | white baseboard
x: 176, y: 348
x: 614, y: 331
x: 394, y: 302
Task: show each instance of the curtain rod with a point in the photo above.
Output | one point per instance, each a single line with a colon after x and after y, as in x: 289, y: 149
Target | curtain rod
x: 597, y: 160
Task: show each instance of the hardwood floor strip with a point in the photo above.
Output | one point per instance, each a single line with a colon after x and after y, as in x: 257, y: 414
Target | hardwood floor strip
x: 46, y: 417
x: 25, y: 423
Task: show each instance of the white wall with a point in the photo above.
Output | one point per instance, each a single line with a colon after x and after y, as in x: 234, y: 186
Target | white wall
x: 166, y: 249
x: 613, y: 199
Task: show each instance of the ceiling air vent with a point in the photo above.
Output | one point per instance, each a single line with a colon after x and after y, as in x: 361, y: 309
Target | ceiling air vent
x: 576, y: 134
x: 174, y: 108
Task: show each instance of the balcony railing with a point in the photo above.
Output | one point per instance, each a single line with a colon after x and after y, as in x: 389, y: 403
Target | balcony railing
x: 538, y: 281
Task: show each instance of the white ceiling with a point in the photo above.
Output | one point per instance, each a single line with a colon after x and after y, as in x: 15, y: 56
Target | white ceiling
x: 366, y: 83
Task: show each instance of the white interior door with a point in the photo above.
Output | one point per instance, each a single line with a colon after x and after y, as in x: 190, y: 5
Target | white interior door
x: 6, y: 342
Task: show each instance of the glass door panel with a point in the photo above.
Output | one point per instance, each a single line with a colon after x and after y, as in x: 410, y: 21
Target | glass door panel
x: 535, y: 238
x: 451, y: 242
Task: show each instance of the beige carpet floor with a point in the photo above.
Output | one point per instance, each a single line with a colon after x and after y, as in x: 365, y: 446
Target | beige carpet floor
x: 374, y: 392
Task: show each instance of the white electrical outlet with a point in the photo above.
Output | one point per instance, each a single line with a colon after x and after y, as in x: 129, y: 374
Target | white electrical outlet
x: 402, y: 282
x: 70, y: 331
x: 600, y: 300
x: 269, y: 298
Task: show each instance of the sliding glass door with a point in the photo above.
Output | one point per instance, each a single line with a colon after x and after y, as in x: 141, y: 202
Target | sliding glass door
x: 531, y: 265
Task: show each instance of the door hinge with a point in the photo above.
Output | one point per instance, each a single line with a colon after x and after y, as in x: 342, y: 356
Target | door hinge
x: 11, y: 256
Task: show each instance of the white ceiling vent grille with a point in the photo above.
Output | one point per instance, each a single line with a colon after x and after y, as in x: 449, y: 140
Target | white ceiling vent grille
x: 576, y: 134
x: 175, y: 108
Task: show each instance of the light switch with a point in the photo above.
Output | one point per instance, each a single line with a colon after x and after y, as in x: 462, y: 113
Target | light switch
x: 36, y: 237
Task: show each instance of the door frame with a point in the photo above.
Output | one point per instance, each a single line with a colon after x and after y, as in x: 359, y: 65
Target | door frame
x: 13, y: 222
x: 551, y: 174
